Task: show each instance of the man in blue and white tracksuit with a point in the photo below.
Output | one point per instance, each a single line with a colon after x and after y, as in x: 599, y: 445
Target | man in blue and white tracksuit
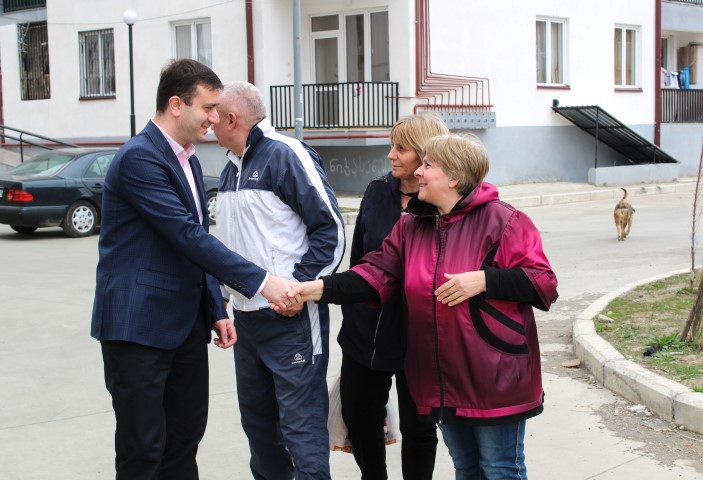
x: 276, y: 208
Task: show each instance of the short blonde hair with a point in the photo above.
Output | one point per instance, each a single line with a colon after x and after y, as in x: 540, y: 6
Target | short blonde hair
x: 462, y: 157
x: 413, y: 131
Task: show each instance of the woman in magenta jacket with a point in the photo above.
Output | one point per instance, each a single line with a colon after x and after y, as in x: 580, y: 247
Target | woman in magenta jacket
x: 470, y: 268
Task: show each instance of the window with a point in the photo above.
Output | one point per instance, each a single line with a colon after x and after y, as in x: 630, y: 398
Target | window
x: 625, y: 57
x: 97, y: 55
x: 33, y: 47
x: 550, y: 48
x: 364, y: 52
x: 665, y: 53
x: 98, y: 169
x: 193, y: 39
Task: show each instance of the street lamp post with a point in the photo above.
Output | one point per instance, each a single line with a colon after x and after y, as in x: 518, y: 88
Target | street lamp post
x: 130, y: 18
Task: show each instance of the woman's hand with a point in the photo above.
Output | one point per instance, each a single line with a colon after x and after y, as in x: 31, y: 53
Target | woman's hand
x: 461, y: 286
x: 298, y: 293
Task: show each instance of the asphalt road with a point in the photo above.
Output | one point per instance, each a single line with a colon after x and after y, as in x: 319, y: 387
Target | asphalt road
x: 56, y: 421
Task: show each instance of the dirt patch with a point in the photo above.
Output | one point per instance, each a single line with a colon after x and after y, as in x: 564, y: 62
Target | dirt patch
x: 645, y: 325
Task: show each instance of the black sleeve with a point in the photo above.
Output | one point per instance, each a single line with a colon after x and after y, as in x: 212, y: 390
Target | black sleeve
x: 347, y: 287
x: 510, y: 284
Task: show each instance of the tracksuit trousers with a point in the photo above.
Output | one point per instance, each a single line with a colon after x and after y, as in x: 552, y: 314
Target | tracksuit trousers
x: 282, y: 392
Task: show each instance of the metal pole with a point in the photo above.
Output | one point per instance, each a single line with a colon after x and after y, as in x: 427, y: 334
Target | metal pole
x: 596, y: 151
x: 297, y: 87
x: 132, y: 125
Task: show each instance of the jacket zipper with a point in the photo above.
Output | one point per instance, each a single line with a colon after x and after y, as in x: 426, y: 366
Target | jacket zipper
x: 375, y: 335
x: 434, y: 315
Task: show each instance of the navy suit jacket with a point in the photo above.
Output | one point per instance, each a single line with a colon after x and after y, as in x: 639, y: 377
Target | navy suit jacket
x: 156, y: 258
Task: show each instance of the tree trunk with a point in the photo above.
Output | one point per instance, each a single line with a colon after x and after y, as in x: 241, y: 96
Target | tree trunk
x: 694, y: 317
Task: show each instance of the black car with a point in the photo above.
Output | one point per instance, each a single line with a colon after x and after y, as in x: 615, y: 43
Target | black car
x: 61, y: 187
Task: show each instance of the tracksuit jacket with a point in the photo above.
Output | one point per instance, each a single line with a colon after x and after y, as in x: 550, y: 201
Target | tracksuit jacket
x: 276, y: 208
x: 477, y: 361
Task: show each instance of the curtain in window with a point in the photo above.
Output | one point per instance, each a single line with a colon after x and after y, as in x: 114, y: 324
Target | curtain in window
x: 618, y: 56
x: 380, y: 57
x: 557, y: 42
x: 33, y: 46
x: 630, y: 57
x: 355, y: 48
x: 204, y: 43
x: 183, y: 43
x: 97, y: 63
x: 108, y: 63
x: 541, y: 49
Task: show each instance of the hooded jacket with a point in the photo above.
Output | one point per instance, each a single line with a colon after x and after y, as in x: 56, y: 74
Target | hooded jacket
x: 479, y: 360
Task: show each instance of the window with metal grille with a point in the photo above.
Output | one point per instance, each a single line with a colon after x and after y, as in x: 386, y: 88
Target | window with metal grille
x: 97, y: 55
x: 33, y: 47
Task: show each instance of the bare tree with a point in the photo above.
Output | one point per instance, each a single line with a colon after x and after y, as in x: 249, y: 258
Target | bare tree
x: 693, y: 324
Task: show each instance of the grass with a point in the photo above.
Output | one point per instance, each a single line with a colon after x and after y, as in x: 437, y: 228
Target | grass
x: 650, y: 319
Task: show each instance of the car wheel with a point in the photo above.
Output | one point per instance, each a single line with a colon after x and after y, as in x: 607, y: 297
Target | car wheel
x: 81, y: 220
x: 212, y: 207
x: 23, y: 230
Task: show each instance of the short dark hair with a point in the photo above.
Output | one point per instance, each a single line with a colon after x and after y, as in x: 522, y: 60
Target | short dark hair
x: 180, y: 78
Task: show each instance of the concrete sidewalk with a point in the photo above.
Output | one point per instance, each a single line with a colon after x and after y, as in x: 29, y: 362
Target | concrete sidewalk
x: 57, y: 422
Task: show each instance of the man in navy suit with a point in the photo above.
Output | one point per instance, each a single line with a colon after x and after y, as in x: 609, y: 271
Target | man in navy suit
x: 157, y: 294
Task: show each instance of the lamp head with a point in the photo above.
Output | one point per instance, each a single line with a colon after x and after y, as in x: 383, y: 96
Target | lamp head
x: 129, y: 17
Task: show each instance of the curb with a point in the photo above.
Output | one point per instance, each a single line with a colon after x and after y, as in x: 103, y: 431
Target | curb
x: 597, y: 193
x: 666, y: 398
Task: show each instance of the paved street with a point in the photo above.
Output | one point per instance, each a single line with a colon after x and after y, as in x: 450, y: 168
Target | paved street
x: 56, y: 421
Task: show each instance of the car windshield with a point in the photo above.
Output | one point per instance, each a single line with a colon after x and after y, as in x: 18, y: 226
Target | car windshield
x: 42, y: 164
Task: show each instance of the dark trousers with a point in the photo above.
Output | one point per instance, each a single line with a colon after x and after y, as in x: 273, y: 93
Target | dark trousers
x: 160, y: 398
x: 282, y: 394
x: 364, y: 394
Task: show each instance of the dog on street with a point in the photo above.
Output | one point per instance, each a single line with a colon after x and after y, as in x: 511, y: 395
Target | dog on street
x: 623, y: 216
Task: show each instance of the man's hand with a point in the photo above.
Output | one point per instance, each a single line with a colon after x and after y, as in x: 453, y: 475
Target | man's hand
x: 291, y: 311
x: 461, y: 286
x: 298, y: 293
x: 226, y: 334
x: 276, y: 292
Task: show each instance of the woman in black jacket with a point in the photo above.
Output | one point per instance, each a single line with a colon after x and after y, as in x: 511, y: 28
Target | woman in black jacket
x: 373, y: 339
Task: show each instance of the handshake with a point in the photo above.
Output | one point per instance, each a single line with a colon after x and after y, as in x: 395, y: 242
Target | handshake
x: 287, y: 298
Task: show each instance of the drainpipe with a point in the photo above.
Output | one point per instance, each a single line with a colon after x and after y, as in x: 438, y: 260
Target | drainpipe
x: 657, y: 71
x: 250, y: 42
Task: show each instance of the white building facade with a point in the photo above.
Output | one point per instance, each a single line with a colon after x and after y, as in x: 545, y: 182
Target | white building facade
x: 494, y: 67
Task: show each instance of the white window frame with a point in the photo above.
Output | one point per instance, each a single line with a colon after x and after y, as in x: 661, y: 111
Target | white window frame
x: 340, y: 34
x: 106, y: 66
x: 621, y: 82
x: 194, y: 47
x: 549, y: 21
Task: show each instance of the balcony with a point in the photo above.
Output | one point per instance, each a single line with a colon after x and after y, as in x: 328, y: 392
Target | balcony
x: 682, y: 106
x: 18, y: 5
x: 694, y: 2
x: 360, y: 105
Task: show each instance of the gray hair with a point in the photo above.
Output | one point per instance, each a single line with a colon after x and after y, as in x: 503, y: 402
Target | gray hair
x: 245, y: 99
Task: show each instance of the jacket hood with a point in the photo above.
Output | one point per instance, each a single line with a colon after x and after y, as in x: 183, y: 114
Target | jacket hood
x: 484, y: 193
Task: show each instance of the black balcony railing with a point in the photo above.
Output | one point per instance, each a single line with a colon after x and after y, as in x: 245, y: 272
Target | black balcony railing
x: 337, y: 105
x: 694, y: 2
x: 16, y: 5
x: 682, y: 106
